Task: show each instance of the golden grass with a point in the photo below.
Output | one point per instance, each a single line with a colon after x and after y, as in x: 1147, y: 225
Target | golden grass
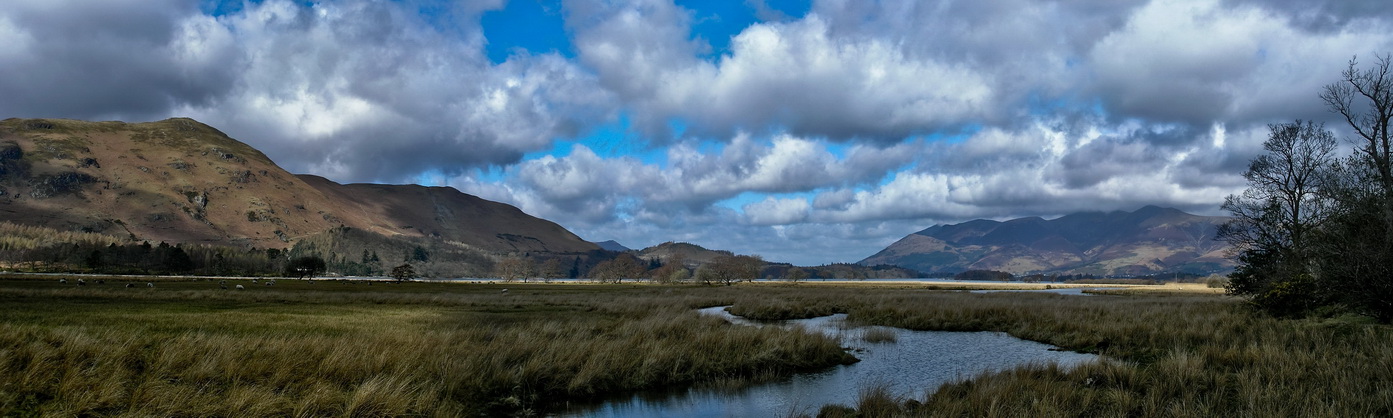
x: 334, y: 348
x: 1175, y: 353
x: 166, y: 352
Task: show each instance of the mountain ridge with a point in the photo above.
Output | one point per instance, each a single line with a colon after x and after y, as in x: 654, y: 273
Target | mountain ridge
x: 1150, y: 240
x: 181, y: 181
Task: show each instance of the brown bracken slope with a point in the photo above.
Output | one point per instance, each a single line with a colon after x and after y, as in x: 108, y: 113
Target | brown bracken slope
x: 181, y: 181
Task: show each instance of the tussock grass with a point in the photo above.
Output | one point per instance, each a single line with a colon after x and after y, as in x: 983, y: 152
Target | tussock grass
x: 338, y: 351
x: 334, y: 348
x: 1169, y: 354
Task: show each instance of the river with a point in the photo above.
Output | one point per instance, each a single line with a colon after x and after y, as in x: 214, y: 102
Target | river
x: 914, y: 363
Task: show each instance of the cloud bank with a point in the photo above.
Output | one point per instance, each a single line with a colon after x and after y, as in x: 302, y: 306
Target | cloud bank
x: 810, y: 138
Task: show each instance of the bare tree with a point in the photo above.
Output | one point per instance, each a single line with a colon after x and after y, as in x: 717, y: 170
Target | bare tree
x: 668, y: 271
x: 1364, y: 98
x: 625, y: 266
x: 551, y: 269
x: 513, y: 268
x: 1274, y: 217
x: 1356, y: 251
x: 728, y: 269
x: 1284, y: 201
x: 796, y: 274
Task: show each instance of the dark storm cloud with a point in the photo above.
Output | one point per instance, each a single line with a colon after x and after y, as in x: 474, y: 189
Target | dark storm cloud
x: 110, y: 59
x: 1325, y: 15
x: 1104, y: 159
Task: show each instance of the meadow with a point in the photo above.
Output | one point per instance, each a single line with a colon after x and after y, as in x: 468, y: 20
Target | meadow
x: 189, y: 348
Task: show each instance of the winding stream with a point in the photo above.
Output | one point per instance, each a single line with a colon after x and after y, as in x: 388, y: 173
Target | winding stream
x: 916, y: 362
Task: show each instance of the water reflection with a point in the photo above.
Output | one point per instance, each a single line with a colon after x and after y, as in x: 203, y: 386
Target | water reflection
x: 1077, y: 291
x: 915, y: 362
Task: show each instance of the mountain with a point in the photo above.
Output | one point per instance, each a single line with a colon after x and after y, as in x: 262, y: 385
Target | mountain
x: 692, y: 255
x: 180, y: 181
x: 1147, y: 241
x: 612, y: 245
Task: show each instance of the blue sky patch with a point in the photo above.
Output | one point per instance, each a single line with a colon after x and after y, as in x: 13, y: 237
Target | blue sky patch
x: 535, y: 26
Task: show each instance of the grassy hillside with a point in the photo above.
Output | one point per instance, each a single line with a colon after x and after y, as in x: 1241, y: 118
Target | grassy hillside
x: 187, y: 184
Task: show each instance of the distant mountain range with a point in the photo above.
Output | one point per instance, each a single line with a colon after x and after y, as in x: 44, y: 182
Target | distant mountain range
x: 694, y: 256
x: 1148, y: 241
x: 180, y: 181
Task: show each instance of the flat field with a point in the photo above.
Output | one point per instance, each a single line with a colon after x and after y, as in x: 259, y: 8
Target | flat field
x: 188, y: 347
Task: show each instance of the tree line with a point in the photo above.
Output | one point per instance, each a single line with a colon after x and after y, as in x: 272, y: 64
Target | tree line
x: 1313, y: 231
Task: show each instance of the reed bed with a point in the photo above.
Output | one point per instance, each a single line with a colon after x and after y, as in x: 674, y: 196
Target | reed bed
x: 338, y: 348
x: 1170, y: 354
x: 112, y: 352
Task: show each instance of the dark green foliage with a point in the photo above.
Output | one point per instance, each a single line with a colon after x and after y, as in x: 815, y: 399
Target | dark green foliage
x: 403, y: 272
x: 1273, y: 286
x: 1275, y: 218
x: 305, y: 266
x: 984, y: 275
x: 1355, y: 259
x: 172, y: 260
x: 356, y: 252
x: 143, y: 258
x: 1315, y: 233
x: 93, y: 260
x: 847, y: 271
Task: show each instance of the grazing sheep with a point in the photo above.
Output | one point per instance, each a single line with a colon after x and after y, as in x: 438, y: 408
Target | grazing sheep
x: 253, y: 281
x: 149, y: 284
x: 504, y: 291
x: 81, y: 282
x: 130, y: 285
x: 239, y: 287
x: 62, y: 280
x: 268, y: 283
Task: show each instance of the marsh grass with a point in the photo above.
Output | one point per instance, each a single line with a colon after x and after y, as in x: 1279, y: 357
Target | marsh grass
x: 336, y: 349
x: 186, y: 348
x: 1168, y: 354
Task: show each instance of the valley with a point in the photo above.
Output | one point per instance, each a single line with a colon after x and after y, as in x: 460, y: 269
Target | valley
x: 343, y: 348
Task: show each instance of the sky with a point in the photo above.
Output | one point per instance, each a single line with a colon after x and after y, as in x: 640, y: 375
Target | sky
x: 808, y: 132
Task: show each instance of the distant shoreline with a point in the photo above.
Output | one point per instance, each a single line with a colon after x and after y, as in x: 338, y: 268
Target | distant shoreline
x: 930, y: 284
